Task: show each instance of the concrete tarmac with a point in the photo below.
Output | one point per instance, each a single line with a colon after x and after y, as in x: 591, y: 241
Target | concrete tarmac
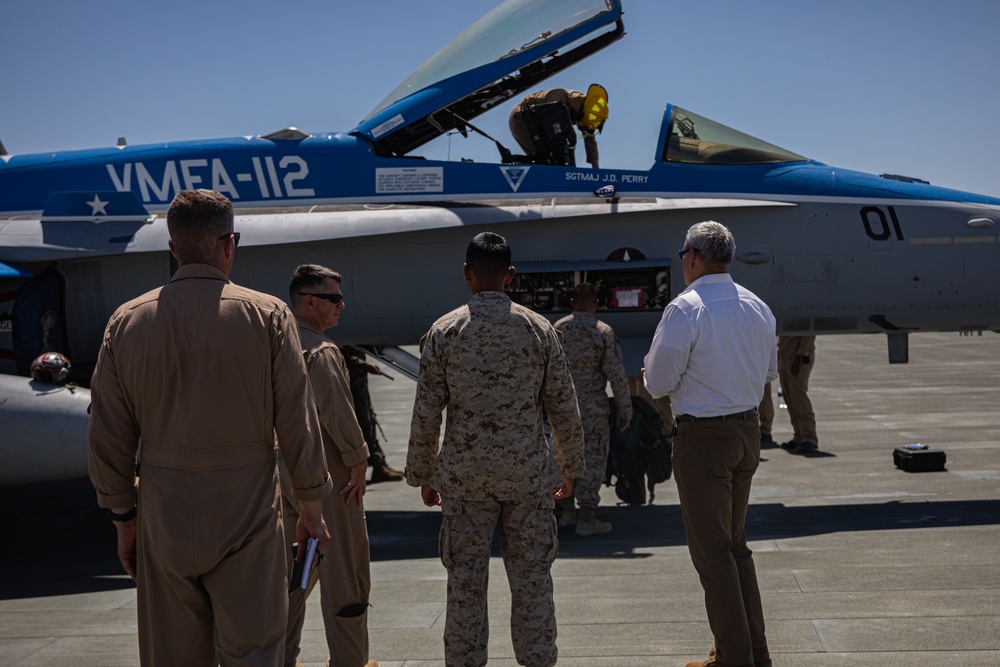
x: 859, y: 563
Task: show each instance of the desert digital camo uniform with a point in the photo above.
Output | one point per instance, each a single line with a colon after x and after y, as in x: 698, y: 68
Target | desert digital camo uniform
x: 205, y: 372
x: 344, y: 576
x: 494, y: 365
x: 595, y: 358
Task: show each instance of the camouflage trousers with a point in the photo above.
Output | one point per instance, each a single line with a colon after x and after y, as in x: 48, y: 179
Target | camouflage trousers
x: 597, y: 441
x: 528, y: 545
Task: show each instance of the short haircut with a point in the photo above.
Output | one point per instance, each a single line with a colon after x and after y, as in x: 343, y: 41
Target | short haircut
x: 309, y: 278
x: 488, y: 255
x: 713, y: 241
x: 195, y: 221
x: 584, y: 293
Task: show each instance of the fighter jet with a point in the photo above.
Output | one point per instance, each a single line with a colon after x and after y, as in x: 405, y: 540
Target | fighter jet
x: 830, y: 250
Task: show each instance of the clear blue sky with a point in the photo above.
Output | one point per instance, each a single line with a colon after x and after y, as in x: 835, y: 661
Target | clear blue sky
x: 901, y: 86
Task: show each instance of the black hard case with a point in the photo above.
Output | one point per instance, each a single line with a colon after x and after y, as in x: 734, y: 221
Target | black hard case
x: 919, y: 460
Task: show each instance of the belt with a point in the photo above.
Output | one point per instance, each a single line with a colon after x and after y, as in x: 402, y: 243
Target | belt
x: 208, y: 458
x: 746, y: 414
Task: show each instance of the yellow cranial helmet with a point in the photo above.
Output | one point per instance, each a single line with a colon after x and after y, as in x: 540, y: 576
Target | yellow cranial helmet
x: 595, y: 109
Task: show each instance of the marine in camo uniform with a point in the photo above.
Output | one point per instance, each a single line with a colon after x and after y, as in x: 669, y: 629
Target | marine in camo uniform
x: 495, y: 365
x: 595, y: 358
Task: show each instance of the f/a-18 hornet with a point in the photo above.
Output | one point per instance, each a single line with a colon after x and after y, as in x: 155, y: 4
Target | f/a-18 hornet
x: 830, y: 250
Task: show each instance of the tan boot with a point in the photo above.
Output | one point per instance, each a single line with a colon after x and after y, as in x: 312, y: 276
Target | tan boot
x: 588, y: 524
x: 761, y: 658
x: 712, y: 662
x: 566, y: 514
x: 567, y: 520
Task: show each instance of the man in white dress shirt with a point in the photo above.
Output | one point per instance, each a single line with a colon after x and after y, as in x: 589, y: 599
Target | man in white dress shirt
x: 712, y: 353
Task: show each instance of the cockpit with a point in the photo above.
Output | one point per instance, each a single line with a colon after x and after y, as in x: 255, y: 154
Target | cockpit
x: 694, y: 139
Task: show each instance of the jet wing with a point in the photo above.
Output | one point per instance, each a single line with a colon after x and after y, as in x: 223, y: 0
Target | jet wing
x: 25, y: 240
x: 340, y: 222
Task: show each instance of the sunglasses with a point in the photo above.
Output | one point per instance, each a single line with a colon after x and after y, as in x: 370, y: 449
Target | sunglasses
x: 236, y: 238
x: 332, y: 298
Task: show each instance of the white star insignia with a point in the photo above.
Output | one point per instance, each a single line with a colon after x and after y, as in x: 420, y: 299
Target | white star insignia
x: 98, y: 206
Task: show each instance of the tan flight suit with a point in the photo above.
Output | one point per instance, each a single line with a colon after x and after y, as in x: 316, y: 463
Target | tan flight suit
x: 494, y: 365
x: 795, y: 387
x: 595, y: 358
x: 571, y: 98
x: 205, y: 372
x: 765, y: 411
x: 344, y: 576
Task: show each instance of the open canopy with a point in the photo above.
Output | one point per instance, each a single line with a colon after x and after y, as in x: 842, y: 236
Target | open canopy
x: 508, y: 51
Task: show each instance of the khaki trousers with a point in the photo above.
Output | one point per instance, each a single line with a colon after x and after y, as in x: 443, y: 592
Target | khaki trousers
x: 795, y: 389
x: 211, y: 567
x: 344, y: 582
x: 528, y: 545
x: 296, y: 600
x: 519, y: 129
x: 714, y: 463
x: 766, y: 410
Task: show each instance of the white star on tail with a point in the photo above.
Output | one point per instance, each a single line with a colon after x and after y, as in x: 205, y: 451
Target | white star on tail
x: 98, y: 206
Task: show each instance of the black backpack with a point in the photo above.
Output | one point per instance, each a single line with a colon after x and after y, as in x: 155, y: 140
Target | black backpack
x: 639, y: 457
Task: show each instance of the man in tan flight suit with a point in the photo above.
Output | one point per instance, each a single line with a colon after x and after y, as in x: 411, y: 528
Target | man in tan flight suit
x: 205, y: 373
x: 595, y: 358
x: 765, y: 412
x: 345, y: 580
x: 796, y: 355
x: 494, y: 365
x: 573, y: 99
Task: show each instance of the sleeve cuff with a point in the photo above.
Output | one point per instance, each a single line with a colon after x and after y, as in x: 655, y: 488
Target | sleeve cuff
x: 124, y: 499
x: 355, y: 456
x: 413, y: 479
x: 315, y: 493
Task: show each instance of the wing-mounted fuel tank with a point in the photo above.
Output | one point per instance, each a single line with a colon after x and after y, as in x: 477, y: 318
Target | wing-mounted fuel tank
x: 44, y: 430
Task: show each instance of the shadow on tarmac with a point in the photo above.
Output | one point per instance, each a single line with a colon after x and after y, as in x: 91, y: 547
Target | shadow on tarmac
x: 403, y: 535
x: 66, y: 544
